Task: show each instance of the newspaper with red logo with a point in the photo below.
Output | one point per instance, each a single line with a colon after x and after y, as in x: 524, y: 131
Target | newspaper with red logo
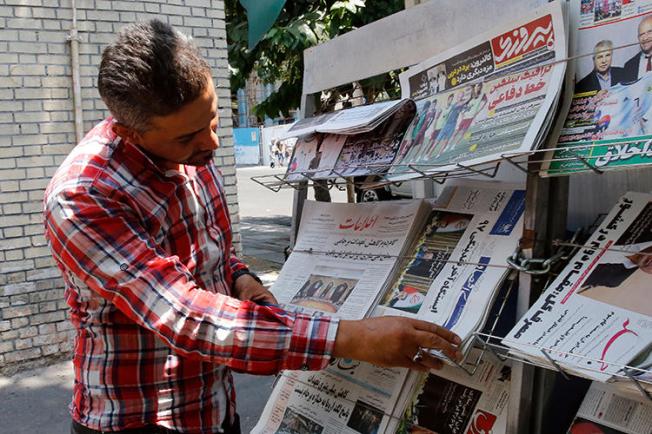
x: 495, y: 94
x: 346, y: 254
x: 596, y: 316
x: 451, y: 401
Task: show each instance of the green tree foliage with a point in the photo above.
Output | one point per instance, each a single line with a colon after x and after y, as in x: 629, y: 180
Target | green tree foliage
x: 278, y: 57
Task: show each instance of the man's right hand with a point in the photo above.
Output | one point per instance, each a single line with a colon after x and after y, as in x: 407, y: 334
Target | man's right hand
x: 393, y: 341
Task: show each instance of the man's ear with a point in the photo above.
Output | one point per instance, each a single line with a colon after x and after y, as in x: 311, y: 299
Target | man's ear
x: 127, y: 133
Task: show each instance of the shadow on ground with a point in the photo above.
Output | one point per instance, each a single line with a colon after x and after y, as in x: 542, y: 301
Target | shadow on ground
x: 36, y: 401
x: 266, y: 238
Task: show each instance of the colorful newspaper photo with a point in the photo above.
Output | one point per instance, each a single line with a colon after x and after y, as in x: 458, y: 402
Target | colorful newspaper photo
x: 489, y: 96
x: 609, y: 121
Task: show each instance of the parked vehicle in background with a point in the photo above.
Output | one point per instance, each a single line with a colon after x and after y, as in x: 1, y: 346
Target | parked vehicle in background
x: 367, y: 191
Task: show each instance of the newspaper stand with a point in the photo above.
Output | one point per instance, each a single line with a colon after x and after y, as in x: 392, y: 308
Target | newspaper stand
x: 552, y: 204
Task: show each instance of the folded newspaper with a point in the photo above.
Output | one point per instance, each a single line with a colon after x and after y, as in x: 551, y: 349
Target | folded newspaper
x: 596, y: 316
x: 609, y: 99
x: 450, y: 401
x: 454, y: 270
x: 440, y: 264
x: 323, y: 156
x: 345, y: 254
x: 350, y: 121
x: 609, y: 411
x: 495, y: 94
x: 348, y: 397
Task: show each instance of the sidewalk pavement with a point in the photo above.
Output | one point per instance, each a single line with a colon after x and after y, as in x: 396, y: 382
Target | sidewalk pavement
x: 36, y: 401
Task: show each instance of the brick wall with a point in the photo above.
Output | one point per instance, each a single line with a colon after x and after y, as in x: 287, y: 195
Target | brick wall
x: 37, y: 132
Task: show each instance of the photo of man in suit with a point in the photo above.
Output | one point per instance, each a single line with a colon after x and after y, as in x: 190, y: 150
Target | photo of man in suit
x: 603, y: 75
x: 641, y: 63
x: 622, y: 278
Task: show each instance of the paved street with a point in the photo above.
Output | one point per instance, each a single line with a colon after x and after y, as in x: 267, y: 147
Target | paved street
x: 35, y: 402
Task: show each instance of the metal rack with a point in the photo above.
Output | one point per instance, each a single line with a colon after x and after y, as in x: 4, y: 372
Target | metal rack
x: 422, y: 32
x: 526, y: 162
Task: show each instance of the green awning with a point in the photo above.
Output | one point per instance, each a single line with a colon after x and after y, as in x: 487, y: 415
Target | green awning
x: 261, y: 15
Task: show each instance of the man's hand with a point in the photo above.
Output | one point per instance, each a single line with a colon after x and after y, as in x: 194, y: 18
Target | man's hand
x: 394, y: 341
x: 248, y: 288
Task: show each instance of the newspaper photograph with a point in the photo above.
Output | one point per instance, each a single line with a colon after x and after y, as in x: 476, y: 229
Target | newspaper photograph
x: 596, y: 316
x: 314, y: 156
x: 492, y: 95
x: 458, y: 264
x: 345, y: 253
x: 609, y: 120
x: 373, y: 152
x: 450, y: 401
x: 609, y: 411
x: 347, y: 397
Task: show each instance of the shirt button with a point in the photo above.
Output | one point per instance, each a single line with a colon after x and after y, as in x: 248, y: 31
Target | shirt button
x: 305, y: 367
x: 124, y: 267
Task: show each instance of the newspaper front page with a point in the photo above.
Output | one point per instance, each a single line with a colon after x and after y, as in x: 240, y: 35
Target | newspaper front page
x: 609, y: 122
x: 373, y: 152
x: 459, y: 262
x: 345, y: 253
x: 609, y: 411
x: 347, y: 397
x: 489, y: 96
x: 597, y: 316
x: 450, y: 401
x: 314, y: 156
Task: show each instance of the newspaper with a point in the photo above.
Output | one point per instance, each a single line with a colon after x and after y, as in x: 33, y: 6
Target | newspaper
x: 609, y: 120
x: 322, y: 156
x: 492, y: 95
x: 373, y: 152
x: 597, y: 316
x: 606, y: 410
x: 450, y: 401
x: 348, y: 121
x: 315, y: 156
x: 458, y: 264
x: 345, y: 253
x: 347, y: 397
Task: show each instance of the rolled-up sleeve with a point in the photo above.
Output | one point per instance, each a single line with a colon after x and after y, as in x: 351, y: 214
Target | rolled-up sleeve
x: 101, y: 242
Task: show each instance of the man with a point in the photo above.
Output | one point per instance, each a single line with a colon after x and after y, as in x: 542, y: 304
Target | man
x: 603, y: 75
x: 137, y: 222
x: 641, y: 63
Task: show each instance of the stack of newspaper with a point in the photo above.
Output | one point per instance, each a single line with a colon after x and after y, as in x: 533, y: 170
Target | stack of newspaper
x: 443, y: 264
x: 495, y: 94
x: 330, y: 147
x: 596, y: 317
x: 356, y: 120
x: 609, y: 103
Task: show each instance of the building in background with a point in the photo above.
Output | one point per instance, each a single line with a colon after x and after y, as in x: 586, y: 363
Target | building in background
x: 37, y: 131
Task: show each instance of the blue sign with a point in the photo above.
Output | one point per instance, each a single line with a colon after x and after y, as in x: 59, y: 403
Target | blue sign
x: 246, y: 142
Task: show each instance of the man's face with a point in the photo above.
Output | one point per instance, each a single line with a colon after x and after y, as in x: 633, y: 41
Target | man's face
x: 187, y: 136
x: 645, y: 35
x: 602, y: 61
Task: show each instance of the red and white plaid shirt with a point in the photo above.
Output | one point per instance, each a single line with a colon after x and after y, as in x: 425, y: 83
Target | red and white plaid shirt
x: 147, y: 259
